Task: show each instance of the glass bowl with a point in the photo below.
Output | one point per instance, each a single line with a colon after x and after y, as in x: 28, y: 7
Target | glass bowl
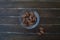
x: 35, y: 24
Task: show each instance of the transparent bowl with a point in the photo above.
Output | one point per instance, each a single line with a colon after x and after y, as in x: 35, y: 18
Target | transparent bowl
x: 32, y: 26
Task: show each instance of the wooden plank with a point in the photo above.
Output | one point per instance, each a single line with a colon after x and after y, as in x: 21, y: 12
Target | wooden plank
x: 54, y: 29
x: 49, y: 20
x: 17, y: 37
x: 43, y: 12
x: 31, y: 0
x: 8, y: 20
x: 29, y: 5
x: 36, y: 0
x: 46, y: 12
x: 9, y: 12
x: 51, y: 37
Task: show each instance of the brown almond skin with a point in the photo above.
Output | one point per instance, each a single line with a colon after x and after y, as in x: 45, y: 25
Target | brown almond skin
x: 39, y: 33
x: 29, y: 18
x: 26, y: 23
x: 41, y: 28
x: 24, y: 19
x: 29, y: 22
x: 31, y: 13
x: 27, y: 14
x: 42, y: 32
x: 34, y: 19
x: 23, y: 16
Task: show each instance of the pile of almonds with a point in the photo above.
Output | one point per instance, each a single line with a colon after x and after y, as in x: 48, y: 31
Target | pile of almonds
x: 28, y: 18
x: 41, y: 31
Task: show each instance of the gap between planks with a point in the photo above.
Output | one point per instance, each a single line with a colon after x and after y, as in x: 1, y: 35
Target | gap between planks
x: 34, y: 8
x: 40, y: 24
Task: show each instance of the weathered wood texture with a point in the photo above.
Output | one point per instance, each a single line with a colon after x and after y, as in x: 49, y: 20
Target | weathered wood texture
x: 10, y: 28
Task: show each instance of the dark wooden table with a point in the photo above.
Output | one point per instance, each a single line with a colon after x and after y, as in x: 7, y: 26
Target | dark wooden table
x: 10, y: 29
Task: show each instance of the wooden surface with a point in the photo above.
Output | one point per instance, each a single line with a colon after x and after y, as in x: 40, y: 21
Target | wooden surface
x: 29, y: 4
x: 9, y: 21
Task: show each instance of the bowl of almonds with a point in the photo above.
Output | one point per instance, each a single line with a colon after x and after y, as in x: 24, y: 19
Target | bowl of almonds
x: 30, y: 19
